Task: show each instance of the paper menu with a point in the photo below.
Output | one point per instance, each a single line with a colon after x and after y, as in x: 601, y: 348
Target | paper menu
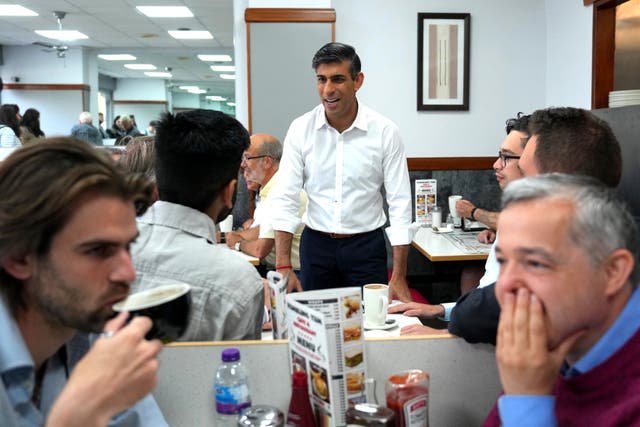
x: 326, y: 340
x: 278, y: 304
x: 426, y: 197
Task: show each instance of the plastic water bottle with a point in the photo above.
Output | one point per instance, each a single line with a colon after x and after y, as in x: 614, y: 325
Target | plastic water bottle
x: 231, y: 388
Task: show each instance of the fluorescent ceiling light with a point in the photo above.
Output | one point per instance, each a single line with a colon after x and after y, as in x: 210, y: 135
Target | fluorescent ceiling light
x: 140, y: 66
x: 215, y: 58
x: 197, y: 91
x: 228, y: 76
x: 64, y: 35
x: 190, y: 35
x: 117, y: 57
x: 158, y: 74
x: 230, y: 68
x: 231, y: 104
x: 188, y: 87
x: 15, y: 10
x: 216, y: 98
x: 165, y: 11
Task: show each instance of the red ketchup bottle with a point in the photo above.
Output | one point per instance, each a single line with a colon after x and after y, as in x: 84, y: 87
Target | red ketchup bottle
x: 408, y: 396
x: 300, y: 413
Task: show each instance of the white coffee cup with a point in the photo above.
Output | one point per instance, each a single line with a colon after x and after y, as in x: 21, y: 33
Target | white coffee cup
x: 452, y: 205
x: 376, y: 301
x: 226, y: 225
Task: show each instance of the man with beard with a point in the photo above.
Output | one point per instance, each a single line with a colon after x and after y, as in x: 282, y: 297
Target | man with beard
x: 198, y: 156
x: 67, y: 220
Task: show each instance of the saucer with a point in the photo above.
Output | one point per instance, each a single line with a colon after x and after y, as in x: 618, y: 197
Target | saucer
x: 391, y: 323
x: 441, y: 230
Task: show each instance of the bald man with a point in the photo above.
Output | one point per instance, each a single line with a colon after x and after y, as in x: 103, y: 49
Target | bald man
x: 260, y: 164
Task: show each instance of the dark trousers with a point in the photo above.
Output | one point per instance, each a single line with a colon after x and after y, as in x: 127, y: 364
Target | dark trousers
x: 327, y: 262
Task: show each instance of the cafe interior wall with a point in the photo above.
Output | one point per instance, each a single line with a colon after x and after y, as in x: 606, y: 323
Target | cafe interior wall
x: 524, y: 56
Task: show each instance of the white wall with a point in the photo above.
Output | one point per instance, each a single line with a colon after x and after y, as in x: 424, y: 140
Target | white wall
x: 140, y: 89
x: 33, y: 65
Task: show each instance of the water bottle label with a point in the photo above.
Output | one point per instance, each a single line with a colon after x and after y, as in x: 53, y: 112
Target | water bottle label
x: 232, y: 399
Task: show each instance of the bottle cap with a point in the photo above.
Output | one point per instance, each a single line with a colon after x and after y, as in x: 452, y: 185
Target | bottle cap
x: 261, y: 416
x: 299, y: 379
x: 230, y: 355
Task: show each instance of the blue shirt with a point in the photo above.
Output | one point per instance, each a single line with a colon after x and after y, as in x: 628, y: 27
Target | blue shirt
x: 530, y: 411
x: 17, y: 372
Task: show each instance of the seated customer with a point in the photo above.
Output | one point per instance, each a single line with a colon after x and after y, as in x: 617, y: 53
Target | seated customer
x: 566, y: 140
x: 198, y: 156
x: 260, y: 163
x: 67, y: 222
x: 85, y: 130
x: 506, y: 168
x: 568, y: 347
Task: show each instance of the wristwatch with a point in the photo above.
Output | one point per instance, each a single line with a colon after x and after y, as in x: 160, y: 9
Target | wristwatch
x: 237, y: 246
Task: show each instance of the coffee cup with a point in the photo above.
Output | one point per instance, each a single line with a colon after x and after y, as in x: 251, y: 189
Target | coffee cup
x: 376, y: 302
x: 167, y: 305
x: 226, y: 225
x: 457, y: 221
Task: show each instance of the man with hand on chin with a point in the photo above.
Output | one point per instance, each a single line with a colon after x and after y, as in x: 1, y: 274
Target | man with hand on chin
x: 568, y: 345
x: 68, y: 219
x: 343, y: 153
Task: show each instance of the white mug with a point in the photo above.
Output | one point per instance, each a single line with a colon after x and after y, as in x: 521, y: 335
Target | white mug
x: 452, y: 206
x: 376, y: 302
x: 226, y: 225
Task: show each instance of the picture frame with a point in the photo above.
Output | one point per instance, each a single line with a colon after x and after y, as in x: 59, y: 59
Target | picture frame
x: 443, y: 61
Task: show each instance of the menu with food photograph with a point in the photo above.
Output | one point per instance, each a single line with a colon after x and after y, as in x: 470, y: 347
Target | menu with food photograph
x: 326, y: 341
x: 426, y: 198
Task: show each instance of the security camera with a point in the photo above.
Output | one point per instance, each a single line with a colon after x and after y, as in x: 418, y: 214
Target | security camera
x: 168, y: 69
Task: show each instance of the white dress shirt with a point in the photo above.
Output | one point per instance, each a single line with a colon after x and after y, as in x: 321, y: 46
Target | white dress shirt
x: 343, y: 174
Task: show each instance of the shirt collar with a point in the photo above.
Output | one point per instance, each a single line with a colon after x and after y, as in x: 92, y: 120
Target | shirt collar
x: 264, y: 190
x: 361, y: 121
x: 625, y: 326
x: 14, y: 354
x: 181, y: 218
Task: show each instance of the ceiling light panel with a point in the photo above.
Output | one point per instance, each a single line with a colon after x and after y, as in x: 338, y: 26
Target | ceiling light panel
x: 215, y: 58
x: 117, y: 57
x: 140, y: 66
x: 215, y: 98
x: 15, y: 10
x: 190, y: 35
x: 228, y: 76
x: 64, y: 35
x: 224, y: 68
x: 165, y: 11
x: 158, y: 74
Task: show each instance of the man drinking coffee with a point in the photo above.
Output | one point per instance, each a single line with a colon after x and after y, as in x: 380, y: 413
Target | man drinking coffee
x: 67, y: 218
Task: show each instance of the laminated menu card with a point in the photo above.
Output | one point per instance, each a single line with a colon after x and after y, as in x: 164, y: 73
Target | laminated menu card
x: 426, y: 197
x: 278, y: 303
x: 326, y: 340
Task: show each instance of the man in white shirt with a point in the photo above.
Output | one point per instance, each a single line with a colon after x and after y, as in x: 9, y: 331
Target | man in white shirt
x: 261, y: 162
x: 343, y: 154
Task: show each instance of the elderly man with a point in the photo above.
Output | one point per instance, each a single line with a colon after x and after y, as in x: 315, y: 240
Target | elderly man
x: 68, y: 219
x: 260, y: 163
x: 568, y: 345
x: 343, y: 154
x: 85, y: 130
x: 198, y: 155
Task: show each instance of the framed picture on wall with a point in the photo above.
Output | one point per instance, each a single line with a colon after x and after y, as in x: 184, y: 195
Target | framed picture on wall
x: 443, y: 61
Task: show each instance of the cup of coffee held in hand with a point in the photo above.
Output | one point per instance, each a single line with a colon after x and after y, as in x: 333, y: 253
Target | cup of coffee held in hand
x: 376, y: 302
x: 168, y: 306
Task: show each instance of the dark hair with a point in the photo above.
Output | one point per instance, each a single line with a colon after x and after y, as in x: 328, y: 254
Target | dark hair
x: 572, y: 140
x: 332, y: 53
x: 8, y: 113
x: 39, y: 185
x: 198, y: 152
x: 519, y: 123
x: 31, y: 120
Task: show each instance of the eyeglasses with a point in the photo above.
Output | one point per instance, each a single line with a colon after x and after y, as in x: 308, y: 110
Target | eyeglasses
x: 246, y: 158
x: 504, y: 157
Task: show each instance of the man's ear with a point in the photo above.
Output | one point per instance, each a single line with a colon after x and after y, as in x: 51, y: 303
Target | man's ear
x: 359, y: 80
x: 19, y: 266
x: 227, y: 193
x: 618, y: 267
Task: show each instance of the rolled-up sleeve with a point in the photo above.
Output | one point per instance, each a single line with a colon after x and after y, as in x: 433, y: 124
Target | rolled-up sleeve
x: 397, y: 189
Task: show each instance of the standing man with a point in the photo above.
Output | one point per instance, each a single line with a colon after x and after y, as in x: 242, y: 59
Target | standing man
x: 85, y: 130
x: 68, y: 219
x: 103, y: 133
x: 198, y: 156
x: 261, y: 162
x: 343, y: 154
x: 568, y: 347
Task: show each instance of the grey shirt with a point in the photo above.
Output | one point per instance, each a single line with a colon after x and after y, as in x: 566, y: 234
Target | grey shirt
x: 177, y: 242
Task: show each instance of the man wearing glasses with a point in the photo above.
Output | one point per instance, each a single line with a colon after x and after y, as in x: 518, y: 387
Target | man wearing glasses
x: 260, y: 164
x: 506, y: 167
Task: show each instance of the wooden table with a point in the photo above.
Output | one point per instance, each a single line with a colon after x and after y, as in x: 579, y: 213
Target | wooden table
x: 441, y: 246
